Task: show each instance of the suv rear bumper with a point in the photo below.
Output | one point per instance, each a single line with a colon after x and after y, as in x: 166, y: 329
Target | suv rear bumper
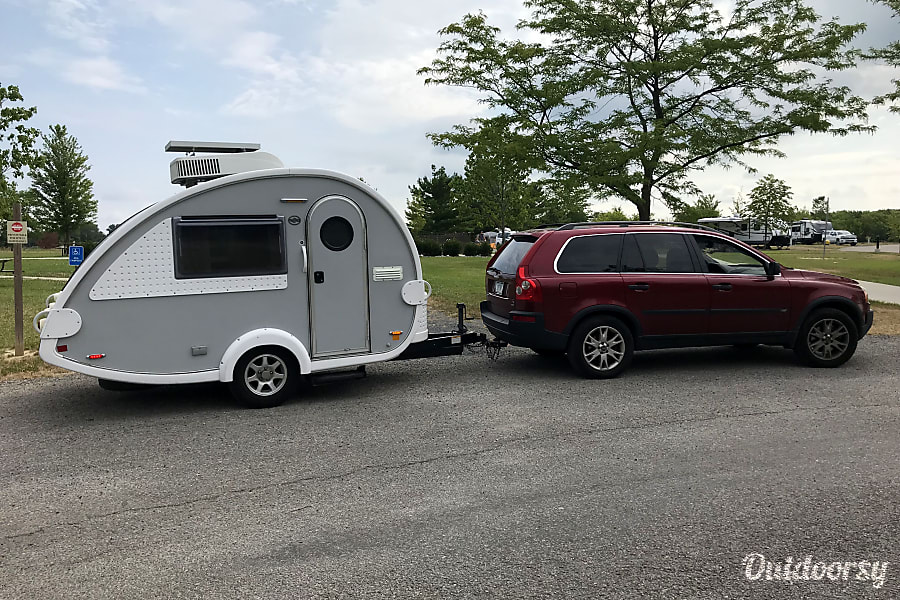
x: 530, y: 334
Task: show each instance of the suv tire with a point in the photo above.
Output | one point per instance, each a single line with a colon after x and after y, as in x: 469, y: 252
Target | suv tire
x: 600, y: 348
x: 827, y: 338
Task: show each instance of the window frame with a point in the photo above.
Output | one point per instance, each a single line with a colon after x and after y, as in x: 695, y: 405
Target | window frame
x: 178, y: 223
x: 618, y: 255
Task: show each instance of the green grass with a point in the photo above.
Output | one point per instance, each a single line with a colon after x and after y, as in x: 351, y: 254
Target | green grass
x: 883, y: 267
x: 455, y: 279
x: 31, y: 252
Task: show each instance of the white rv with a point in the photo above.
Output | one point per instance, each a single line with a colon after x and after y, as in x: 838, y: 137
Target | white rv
x: 809, y: 231
x: 256, y: 277
x: 746, y: 230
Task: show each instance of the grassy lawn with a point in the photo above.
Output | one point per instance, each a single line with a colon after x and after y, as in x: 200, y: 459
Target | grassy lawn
x: 455, y: 279
x: 883, y: 267
x: 35, y: 293
x: 31, y: 253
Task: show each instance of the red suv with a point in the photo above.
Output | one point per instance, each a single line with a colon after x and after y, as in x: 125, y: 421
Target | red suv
x: 600, y: 291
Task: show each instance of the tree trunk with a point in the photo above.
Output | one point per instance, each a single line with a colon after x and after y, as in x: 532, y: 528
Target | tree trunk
x: 644, y: 205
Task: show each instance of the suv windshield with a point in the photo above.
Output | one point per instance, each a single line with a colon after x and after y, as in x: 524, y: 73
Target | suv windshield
x: 512, y: 254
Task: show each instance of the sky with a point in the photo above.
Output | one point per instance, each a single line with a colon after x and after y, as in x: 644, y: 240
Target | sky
x: 333, y: 85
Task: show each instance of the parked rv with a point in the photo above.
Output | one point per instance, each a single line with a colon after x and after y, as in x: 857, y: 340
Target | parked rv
x: 809, y: 231
x: 256, y: 275
x: 747, y: 231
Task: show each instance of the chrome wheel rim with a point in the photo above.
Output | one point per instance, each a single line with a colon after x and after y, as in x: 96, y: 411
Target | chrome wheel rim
x: 828, y: 339
x: 603, y: 348
x: 265, y: 375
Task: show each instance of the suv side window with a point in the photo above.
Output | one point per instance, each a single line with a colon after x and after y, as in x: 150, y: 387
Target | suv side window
x: 664, y: 253
x: 590, y: 254
x: 724, y: 257
x: 631, y: 256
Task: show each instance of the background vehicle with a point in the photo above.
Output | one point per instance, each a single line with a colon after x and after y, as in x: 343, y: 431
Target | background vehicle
x: 599, y: 291
x: 809, y: 231
x: 840, y: 236
x: 747, y: 231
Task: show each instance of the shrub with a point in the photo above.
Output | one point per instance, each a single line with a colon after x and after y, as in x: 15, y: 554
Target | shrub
x: 471, y: 249
x: 451, y: 248
x: 485, y: 249
x: 49, y: 240
x: 428, y: 248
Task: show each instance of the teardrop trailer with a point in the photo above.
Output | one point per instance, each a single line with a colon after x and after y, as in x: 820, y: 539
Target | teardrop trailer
x: 258, y: 277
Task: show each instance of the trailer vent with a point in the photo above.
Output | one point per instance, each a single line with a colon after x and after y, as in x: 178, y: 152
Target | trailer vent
x: 198, y: 167
x: 387, y: 273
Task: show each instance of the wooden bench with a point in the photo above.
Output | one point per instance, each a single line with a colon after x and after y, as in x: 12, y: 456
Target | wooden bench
x: 3, y: 262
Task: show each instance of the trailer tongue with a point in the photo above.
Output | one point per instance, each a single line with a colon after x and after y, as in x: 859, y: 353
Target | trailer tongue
x: 450, y: 343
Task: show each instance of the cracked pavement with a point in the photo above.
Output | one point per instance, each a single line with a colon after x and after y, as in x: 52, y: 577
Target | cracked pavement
x: 458, y: 477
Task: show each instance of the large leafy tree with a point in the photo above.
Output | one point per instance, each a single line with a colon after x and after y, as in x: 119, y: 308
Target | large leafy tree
x: 890, y: 54
x: 64, y: 194
x: 770, y: 204
x: 496, y: 191
x: 16, y: 149
x: 631, y: 96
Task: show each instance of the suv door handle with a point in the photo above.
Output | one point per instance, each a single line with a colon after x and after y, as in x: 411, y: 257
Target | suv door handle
x: 722, y: 287
x: 640, y: 287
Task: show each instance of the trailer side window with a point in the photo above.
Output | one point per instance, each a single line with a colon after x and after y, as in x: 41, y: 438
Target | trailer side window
x: 229, y: 247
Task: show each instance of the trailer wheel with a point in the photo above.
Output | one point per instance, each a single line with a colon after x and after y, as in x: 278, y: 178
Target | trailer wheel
x: 265, y: 377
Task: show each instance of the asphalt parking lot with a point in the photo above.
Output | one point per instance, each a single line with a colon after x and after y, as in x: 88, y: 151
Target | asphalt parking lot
x: 458, y: 477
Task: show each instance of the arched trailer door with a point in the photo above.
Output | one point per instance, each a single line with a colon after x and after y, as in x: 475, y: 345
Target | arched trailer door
x: 338, y: 278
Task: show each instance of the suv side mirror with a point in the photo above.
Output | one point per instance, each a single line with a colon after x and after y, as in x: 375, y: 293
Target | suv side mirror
x: 772, y: 269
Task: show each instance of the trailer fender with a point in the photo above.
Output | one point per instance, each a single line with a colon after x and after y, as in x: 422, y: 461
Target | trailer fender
x: 262, y: 337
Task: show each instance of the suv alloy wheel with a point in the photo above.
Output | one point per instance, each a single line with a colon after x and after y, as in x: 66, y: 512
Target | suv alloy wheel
x: 601, y: 347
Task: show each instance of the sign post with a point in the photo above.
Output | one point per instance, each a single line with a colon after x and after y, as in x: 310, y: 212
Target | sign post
x: 16, y: 235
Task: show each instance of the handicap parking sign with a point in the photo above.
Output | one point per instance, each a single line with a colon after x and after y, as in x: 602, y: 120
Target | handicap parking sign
x: 76, y: 255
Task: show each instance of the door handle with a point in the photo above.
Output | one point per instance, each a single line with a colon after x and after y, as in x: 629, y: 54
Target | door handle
x: 319, y: 276
x: 305, y: 257
x: 722, y: 287
x: 640, y: 287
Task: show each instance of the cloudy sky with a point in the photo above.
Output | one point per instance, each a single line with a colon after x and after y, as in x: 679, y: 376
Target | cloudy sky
x: 331, y: 84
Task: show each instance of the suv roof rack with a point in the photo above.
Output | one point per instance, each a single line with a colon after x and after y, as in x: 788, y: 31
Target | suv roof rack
x: 569, y: 226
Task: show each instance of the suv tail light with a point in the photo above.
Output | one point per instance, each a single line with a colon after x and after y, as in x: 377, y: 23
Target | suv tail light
x: 527, y: 290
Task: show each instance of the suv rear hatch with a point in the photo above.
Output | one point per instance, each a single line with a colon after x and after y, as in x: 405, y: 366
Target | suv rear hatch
x: 500, y: 282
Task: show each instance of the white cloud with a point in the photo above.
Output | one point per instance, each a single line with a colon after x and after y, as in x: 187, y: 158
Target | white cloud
x: 79, y: 21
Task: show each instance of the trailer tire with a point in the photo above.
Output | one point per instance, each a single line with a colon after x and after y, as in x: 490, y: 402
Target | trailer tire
x: 265, y: 377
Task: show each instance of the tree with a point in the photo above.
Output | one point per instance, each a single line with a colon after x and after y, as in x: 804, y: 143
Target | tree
x: 496, y: 190
x: 706, y: 206
x: 891, y: 55
x: 559, y: 201
x: 631, y: 96
x: 819, y: 210
x: 770, y: 204
x: 435, y: 201
x: 615, y: 214
x: 65, y: 197
x: 16, y: 150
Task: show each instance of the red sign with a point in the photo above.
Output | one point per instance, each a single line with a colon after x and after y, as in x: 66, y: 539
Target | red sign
x: 17, y: 227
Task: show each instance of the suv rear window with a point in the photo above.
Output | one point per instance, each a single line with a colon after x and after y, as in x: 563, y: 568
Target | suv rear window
x: 590, y: 254
x: 512, y: 254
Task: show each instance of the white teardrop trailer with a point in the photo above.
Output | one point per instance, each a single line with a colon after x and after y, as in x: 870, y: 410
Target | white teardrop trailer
x: 256, y: 277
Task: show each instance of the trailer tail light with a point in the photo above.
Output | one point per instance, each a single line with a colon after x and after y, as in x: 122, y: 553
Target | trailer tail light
x: 527, y: 290
x: 62, y: 348
x: 95, y: 356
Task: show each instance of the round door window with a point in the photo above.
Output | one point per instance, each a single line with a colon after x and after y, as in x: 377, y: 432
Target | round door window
x: 336, y: 233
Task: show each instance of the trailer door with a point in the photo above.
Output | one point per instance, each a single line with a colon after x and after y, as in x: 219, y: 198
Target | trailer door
x: 338, y: 281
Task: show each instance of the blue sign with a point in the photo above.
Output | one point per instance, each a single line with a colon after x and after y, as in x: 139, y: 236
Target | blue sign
x: 76, y: 255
